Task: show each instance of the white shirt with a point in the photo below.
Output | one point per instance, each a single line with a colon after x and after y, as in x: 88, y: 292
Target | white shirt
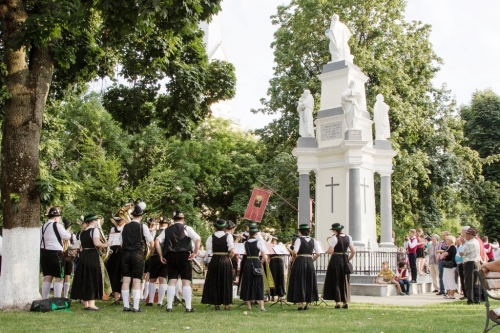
x: 471, y: 251
x: 413, y: 242
x: 296, y: 245
x: 219, y: 234
x: 49, y: 237
x: 334, y: 240
x: 188, y: 231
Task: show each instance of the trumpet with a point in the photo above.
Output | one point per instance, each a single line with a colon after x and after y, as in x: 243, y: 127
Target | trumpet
x: 104, y: 252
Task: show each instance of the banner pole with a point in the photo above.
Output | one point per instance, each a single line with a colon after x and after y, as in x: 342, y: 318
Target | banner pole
x: 270, y: 188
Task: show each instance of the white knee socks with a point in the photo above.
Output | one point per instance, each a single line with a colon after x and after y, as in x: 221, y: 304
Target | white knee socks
x: 45, y: 289
x: 58, y: 286
x: 66, y: 289
x: 152, y: 290
x: 136, y: 294
x: 186, y: 295
x: 170, y: 296
x: 161, y: 292
x: 125, y: 295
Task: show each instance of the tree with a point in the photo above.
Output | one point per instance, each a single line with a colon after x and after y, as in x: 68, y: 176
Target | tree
x: 482, y: 120
x: 423, y: 125
x: 47, y: 44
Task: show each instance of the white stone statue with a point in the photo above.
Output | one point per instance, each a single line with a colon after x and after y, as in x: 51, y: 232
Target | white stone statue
x: 305, y: 108
x: 381, y: 119
x: 350, y: 100
x: 339, y: 35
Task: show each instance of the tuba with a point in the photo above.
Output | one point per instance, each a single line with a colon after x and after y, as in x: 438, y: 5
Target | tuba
x: 124, y: 213
x: 197, y: 266
x: 104, y: 252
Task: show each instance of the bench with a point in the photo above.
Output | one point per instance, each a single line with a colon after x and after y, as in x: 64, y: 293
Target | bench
x: 489, y: 282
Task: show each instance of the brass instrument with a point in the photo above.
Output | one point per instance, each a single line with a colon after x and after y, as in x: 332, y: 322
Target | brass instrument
x: 69, y: 253
x: 124, y: 213
x: 104, y: 252
x: 197, y: 266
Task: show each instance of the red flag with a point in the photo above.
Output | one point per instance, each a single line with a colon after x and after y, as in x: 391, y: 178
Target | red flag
x: 257, y: 204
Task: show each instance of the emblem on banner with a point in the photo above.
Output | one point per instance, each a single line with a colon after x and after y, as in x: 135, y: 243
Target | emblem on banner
x: 257, y: 204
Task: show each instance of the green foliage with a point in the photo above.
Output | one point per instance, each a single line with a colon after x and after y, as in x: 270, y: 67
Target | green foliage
x: 432, y: 167
x: 482, y: 120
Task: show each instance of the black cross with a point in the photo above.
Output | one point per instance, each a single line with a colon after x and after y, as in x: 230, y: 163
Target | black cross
x: 332, y: 185
x: 364, y: 190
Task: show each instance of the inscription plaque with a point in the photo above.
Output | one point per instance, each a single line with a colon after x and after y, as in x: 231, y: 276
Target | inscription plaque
x: 331, y: 131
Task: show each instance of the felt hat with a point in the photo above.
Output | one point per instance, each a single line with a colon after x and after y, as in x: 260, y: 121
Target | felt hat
x: 337, y: 226
x: 304, y: 227
x: 89, y: 217
x: 471, y: 231
x: 137, y: 211
x: 220, y: 223
x: 230, y: 224
x: 163, y: 220
x: 67, y: 223
x: 178, y: 215
x: 150, y: 220
x: 53, y: 211
x: 253, y: 229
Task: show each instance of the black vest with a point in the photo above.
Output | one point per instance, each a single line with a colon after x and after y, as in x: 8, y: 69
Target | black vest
x: 131, y: 236
x: 176, y: 239
x: 305, y: 246
x: 342, y: 244
x: 219, y: 244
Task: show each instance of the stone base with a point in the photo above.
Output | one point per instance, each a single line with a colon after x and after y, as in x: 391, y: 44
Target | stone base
x: 382, y: 144
x: 353, y: 134
x: 387, y: 246
x: 307, y: 142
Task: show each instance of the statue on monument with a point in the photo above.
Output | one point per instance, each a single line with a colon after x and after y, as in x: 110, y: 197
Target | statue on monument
x: 339, y: 35
x: 350, y: 100
x: 381, y: 119
x: 305, y: 108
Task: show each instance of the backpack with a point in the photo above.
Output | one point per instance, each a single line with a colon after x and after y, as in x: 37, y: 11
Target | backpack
x: 51, y: 304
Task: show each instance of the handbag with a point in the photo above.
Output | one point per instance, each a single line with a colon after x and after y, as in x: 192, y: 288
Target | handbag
x: 255, y: 271
x: 448, y: 264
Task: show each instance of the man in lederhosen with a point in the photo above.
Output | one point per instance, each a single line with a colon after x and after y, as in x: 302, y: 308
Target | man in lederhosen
x: 177, y: 252
x: 157, y: 269
x: 134, y: 235
x: 51, y: 252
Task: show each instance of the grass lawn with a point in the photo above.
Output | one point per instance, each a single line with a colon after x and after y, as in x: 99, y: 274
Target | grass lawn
x: 447, y: 317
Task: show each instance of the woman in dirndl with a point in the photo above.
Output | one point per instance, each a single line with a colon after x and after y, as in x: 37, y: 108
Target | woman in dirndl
x: 218, y: 287
x: 303, y: 286
x: 251, y: 285
x: 88, y: 283
x: 337, y: 285
x: 277, y: 267
x: 114, y: 262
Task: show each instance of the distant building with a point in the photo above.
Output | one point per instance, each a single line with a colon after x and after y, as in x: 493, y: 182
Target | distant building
x: 215, y: 50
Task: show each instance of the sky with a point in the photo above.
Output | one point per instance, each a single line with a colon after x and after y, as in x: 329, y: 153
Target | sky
x: 465, y: 34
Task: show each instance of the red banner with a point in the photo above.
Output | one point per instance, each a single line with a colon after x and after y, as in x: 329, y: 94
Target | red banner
x: 257, y: 204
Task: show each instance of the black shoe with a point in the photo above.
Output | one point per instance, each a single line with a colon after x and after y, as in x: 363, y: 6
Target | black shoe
x: 306, y: 307
x: 462, y: 298
x: 337, y: 306
x: 190, y: 310
x: 126, y: 310
x: 300, y: 308
x: 413, y: 281
x: 217, y: 307
x: 149, y: 304
x: 345, y: 306
x: 169, y: 310
x: 137, y: 310
x: 435, y: 291
x: 92, y: 309
x: 440, y: 293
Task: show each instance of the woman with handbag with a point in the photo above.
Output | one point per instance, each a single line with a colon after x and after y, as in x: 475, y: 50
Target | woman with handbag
x: 337, y: 285
x: 303, y: 286
x: 252, y: 281
x: 449, y: 268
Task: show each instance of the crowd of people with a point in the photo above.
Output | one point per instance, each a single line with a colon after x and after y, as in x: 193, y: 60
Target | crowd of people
x: 450, y: 261
x: 136, y: 257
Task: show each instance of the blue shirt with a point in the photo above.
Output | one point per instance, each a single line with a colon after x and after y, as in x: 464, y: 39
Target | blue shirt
x: 458, y: 258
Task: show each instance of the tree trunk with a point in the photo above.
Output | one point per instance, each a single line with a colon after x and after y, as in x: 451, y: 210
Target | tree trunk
x: 28, y: 84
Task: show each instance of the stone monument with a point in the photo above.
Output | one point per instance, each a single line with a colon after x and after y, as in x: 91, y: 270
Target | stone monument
x: 344, y: 155
x: 305, y: 109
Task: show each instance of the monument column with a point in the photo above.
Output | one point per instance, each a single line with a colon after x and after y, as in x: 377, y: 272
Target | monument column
x: 385, y: 210
x: 355, y: 206
x: 304, y: 197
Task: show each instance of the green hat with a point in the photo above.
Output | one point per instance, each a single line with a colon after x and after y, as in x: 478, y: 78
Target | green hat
x: 220, y: 223
x: 90, y: 217
x: 304, y: 227
x: 253, y: 229
x: 337, y: 226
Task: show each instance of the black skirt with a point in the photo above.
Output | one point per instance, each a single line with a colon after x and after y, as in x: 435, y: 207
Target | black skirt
x: 87, y: 282
x: 337, y: 286
x: 114, y: 268
x: 278, y: 271
x: 218, y: 288
x: 303, y: 286
x: 251, y: 286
